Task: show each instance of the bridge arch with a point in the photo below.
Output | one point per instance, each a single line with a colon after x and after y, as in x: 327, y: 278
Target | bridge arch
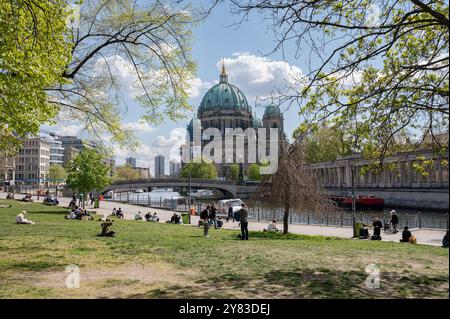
x: 228, y: 188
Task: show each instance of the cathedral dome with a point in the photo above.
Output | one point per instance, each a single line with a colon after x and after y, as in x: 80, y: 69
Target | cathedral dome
x: 224, y: 96
x: 272, y: 109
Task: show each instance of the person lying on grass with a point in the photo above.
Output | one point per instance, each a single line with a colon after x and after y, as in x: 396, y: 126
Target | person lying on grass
x: 20, y: 219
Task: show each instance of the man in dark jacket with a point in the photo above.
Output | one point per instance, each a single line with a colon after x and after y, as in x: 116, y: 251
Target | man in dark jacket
x: 243, y: 212
x: 204, y: 217
x: 230, y: 213
x: 377, y: 225
x: 394, y: 221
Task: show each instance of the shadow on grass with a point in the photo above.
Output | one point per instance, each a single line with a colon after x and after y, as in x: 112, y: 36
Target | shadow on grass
x: 288, y: 236
x: 299, y: 284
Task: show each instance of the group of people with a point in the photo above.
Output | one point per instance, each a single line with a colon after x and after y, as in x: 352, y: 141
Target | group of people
x: 148, y: 217
x: 377, y: 225
x: 78, y: 213
x: 208, y: 217
x: 117, y: 212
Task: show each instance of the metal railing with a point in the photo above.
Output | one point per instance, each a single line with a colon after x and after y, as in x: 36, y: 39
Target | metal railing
x: 345, y: 219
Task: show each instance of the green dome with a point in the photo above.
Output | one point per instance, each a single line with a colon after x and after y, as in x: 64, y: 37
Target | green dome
x: 272, y: 109
x: 256, y: 122
x: 224, y: 96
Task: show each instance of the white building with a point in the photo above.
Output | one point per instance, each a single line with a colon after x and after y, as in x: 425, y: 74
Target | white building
x: 33, y: 161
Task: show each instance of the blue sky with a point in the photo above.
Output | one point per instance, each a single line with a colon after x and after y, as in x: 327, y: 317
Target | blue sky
x: 254, y: 73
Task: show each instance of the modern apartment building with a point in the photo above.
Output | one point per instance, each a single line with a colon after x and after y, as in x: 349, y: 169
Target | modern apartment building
x: 56, y: 152
x: 33, y: 161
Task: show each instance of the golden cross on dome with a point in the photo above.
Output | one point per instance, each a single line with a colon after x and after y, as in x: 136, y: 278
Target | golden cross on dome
x: 224, y: 72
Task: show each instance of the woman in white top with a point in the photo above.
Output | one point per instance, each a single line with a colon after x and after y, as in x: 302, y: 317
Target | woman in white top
x: 20, y: 219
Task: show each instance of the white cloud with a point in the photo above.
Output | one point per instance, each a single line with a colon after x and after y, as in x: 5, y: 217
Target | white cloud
x: 66, y: 129
x: 139, y: 127
x: 259, y: 76
x: 198, y: 87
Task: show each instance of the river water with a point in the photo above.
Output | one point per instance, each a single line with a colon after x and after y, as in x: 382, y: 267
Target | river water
x: 174, y: 200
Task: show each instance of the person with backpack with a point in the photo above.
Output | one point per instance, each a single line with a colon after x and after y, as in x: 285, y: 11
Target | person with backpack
x: 243, y: 213
x: 204, y: 218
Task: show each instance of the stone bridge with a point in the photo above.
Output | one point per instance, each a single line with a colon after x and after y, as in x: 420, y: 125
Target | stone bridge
x: 230, y: 189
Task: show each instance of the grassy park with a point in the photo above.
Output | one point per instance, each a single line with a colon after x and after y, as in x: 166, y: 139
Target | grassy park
x: 155, y: 260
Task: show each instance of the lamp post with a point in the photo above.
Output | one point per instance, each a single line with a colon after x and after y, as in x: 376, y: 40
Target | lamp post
x: 353, y: 190
x: 190, y: 180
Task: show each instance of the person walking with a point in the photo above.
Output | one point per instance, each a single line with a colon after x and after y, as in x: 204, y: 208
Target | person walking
x: 243, y: 213
x: 213, y: 215
x: 230, y: 213
x: 394, y: 221
x: 204, y: 218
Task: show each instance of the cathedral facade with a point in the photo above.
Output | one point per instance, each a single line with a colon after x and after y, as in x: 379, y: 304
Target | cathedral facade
x: 224, y: 108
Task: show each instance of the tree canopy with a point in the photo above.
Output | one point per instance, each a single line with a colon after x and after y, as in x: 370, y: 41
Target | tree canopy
x: 325, y: 144
x: 83, y: 60
x: 126, y: 172
x: 382, y: 66
x: 234, y: 172
x: 34, y: 52
x: 87, y: 172
x: 199, y: 170
x: 57, y: 173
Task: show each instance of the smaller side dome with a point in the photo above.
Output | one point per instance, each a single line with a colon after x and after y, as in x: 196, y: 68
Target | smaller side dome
x: 256, y: 122
x: 272, y: 109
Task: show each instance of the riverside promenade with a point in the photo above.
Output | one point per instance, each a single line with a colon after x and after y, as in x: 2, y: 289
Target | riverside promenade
x: 424, y: 236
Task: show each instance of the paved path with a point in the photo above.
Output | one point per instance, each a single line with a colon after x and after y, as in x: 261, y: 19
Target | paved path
x: 424, y: 236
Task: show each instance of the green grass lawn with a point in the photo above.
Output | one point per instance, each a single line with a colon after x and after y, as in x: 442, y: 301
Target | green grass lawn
x: 155, y: 260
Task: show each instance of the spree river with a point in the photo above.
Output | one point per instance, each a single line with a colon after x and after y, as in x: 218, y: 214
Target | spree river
x: 169, y: 199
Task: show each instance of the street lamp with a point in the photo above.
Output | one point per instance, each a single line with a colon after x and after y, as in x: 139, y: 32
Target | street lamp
x: 190, y: 179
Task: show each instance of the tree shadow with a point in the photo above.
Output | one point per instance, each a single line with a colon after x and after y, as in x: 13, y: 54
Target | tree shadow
x: 306, y: 284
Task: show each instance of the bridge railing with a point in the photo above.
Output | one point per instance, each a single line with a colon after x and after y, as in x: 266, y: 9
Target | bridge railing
x: 346, y: 219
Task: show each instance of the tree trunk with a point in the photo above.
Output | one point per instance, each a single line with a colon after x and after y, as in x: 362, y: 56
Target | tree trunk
x: 286, y: 218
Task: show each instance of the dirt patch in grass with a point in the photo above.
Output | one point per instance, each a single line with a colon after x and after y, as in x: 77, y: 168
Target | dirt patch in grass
x: 117, y: 282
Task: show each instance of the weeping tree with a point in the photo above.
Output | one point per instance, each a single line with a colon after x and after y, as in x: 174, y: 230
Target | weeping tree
x: 294, y: 186
x: 84, y: 60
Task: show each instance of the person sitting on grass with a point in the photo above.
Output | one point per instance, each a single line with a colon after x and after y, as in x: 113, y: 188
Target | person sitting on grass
x: 364, y: 232
x: 272, y: 227
x: 175, y: 219
x: 105, y: 232
x: 377, y: 225
x: 138, y: 216
x: 114, y: 212
x: 119, y: 213
x: 155, y: 218
x: 406, y: 235
x: 148, y: 217
x: 72, y: 214
x: 20, y: 219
